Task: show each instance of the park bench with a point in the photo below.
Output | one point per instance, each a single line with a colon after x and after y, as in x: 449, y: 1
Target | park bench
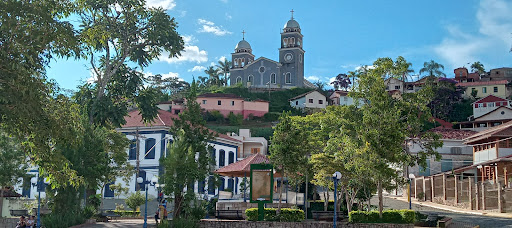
x: 230, y: 214
x: 325, y: 215
x: 445, y: 222
x: 19, y: 212
x: 106, y: 215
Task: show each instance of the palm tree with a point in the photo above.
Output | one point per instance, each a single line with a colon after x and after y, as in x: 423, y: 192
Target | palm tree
x: 433, y: 69
x: 223, y: 68
x: 214, y: 75
x: 478, y: 67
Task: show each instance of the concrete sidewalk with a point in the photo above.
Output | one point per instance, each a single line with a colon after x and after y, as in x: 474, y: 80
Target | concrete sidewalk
x: 453, y: 209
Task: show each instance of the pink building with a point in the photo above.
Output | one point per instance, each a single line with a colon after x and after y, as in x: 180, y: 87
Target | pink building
x: 225, y: 103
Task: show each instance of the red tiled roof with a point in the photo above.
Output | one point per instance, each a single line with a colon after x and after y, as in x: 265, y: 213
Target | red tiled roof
x: 239, y: 168
x: 490, y: 98
x: 220, y: 95
x: 466, y: 84
x: 163, y: 119
x: 444, y: 124
x: 491, y: 132
x: 453, y: 133
x: 303, y: 95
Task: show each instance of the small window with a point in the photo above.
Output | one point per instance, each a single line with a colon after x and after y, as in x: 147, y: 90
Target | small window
x: 204, y: 101
x: 296, y: 102
x: 219, y: 102
x: 320, y: 101
x: 495, y: 89
x: 150, y: 148
x: 288, y: 78
x: 231, y: 157
x: 456, y: 150
x: 222, y: 158
x: 397, y: 87
x: 480, y: 105
x: 484, y: 90
x: 311, y: 101
x: 249, y: 79
x: 273, y: 78
x: 232, y: 103
x: 262, y: 69
x: 345, y: 98
x: 238, y: 80
x: 255, y: 150
x: 490, y: 104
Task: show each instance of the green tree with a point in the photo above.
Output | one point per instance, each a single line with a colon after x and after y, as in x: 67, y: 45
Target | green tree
x: 433, y: 69
x: 287, y: 152
x: 478, y: 67
x: 189, y: 158
x: 114, y: 33
x: 213, y: 74
x: 223, y: 68
x: 13, y: 163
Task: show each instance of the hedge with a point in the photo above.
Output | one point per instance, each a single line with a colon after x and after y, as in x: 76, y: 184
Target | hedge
x: 388, y: 216
x: 287, y: 214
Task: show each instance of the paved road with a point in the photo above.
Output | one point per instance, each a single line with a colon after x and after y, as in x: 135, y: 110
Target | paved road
x: 133, y: 223
x: 460, y: 219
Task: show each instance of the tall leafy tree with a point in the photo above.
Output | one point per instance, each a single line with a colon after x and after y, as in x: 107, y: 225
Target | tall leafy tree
x: 342, y: 81
x: 13, y: 163
x: 189, y: 157
x: 117, y: 32
x: 213, y: 74
x: 223, y: 68
x: 433, y: 69
x: 478, y: 67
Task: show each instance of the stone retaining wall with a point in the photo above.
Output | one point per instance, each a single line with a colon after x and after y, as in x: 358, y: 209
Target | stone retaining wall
x: 249, y: 224
x: 8, y: 222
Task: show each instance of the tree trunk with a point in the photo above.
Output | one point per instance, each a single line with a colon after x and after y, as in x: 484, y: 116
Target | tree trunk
x: 1, y: 200
x: 177, y: 206
x: 280, y: 194
x: 326, y: 199
x: 381, y: 203
x: 347, y: 198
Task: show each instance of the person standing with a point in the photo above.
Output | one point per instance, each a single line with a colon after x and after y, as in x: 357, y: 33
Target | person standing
x: 31, y: 221
x: 157, y: 215
x: 22, y: 223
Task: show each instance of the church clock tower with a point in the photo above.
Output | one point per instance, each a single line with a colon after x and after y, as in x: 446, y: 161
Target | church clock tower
x: 291, y: 55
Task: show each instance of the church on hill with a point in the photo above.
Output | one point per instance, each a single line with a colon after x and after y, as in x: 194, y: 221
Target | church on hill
x: 262, y: 72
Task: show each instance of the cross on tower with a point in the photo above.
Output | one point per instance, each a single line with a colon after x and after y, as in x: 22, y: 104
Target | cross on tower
x: 243, y: 34
x: 292, y: 13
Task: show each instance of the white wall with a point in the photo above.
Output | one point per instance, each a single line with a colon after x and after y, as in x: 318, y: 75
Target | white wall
x: 316, y: 96
x: 484, y: 155
x: 298, y: 103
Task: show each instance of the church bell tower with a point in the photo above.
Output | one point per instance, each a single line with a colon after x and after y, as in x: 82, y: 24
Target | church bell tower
x: 291, y: 54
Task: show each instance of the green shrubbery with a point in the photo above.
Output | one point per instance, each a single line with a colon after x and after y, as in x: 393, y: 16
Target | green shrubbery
x: 235, y: 119
x: 125, y: 213
x: 287, y: 214
x: 389, y: 216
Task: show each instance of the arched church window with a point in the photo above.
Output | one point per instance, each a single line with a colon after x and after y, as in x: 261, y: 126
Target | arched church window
x: 273, y: 78
x: 250, y: 78
x: 285, y: 42
x: 300, y: 58
x: 236, y: 62
x: 298, y: 42
x: 288, y: 78
x: 238, y: 80
x: 292, y: 42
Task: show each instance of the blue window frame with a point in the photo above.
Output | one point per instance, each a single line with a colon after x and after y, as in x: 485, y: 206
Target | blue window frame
x: 213, y: 154
x: 140, y: 186
x: 446, y: 165
x: 108, y: 192
x: 200, y: 187
x: 222, y: 158
x: 150, y: 145
x: 231, y: 183
x: 211, y: 185
x: 425, y: 171
x: 222, y: 182
x: 231, y: 157
x: 132, y: 153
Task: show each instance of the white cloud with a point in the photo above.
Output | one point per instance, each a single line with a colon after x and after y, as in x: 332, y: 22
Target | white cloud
x: 228, y: 16
x: 164, y: 76
x: 189, y: 39
x: 189, y: 54
x: 197, y: 68
x: 222, y: 58
x: 495, y: 26
x: 165, y: 4
x: 313, y: 78
x: 210, y: 27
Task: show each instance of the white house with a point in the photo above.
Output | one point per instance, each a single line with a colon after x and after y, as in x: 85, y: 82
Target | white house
x: 312, y: 99
x: 250, y: 145
x: 153, y: 141
x: 454, y: 153
x: 489, y: 104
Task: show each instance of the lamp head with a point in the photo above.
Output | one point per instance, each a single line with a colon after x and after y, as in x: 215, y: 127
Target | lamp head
x: 411, y: 176
x: 154, y: 180
x: 479, y: 166
x: 336, y: 175
x: 33, y: 180
x: 140, y: 180
x: 46, y: 180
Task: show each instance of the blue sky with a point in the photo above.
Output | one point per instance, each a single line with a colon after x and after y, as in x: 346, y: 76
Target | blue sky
x: 339, y: 35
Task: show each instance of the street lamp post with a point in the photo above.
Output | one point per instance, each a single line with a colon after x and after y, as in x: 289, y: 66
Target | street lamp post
x: 336, y: 177
x: 411, y: 176
x: 39, y: 184
x: 153, y: 182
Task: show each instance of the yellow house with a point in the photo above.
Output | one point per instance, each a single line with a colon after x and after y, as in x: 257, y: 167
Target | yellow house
x: 496, y: 88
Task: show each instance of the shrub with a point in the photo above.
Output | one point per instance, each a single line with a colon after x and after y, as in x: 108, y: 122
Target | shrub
x: 55, y: 220
x: 235, y: 119
x: 271, y: 116
x: 421, y: 196
x: 389, y: 216
x: 134, y: 200
x: 287, y: 215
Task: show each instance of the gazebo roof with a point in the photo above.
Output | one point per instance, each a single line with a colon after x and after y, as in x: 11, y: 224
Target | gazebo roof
x: 243, y: 167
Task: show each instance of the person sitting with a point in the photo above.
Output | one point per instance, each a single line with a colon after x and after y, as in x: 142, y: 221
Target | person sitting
x: 22, y: 223
x: 157, y: 216
x: 31, y: 221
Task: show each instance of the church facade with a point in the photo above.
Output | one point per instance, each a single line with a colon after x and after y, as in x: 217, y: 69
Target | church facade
x: 287, y: 72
